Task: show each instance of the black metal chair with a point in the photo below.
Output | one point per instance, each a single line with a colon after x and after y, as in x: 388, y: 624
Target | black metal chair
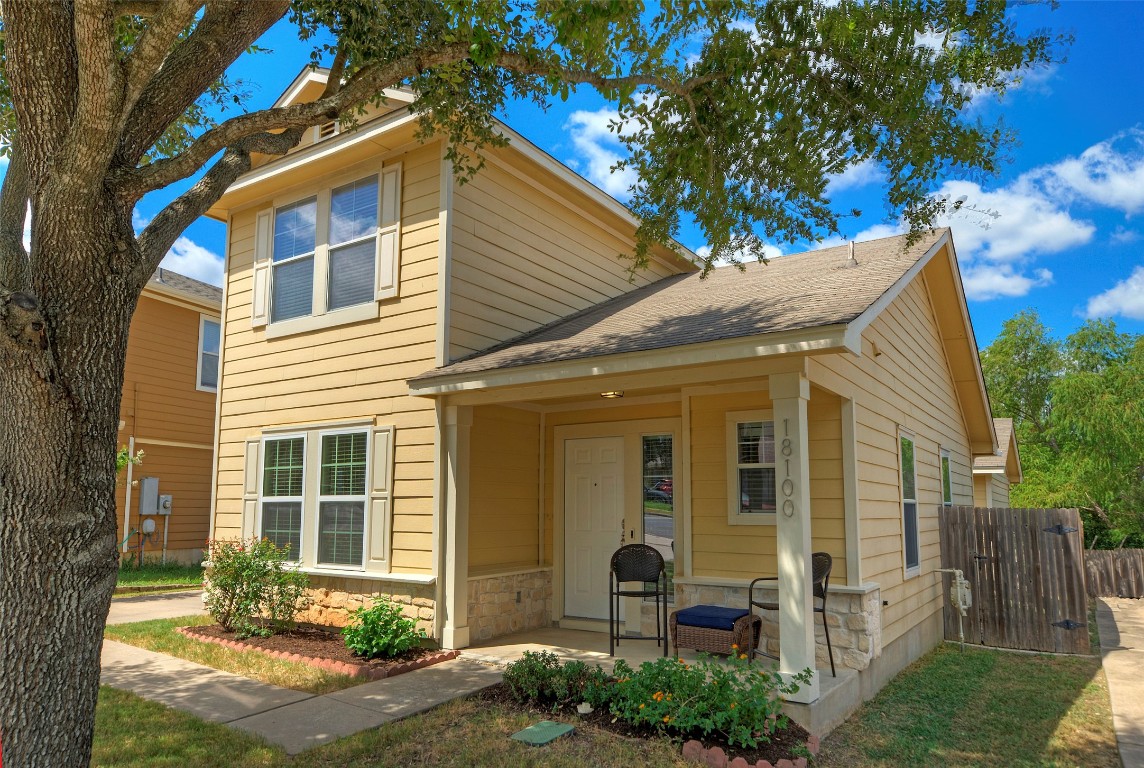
x: 643, y: 564
x: 821, y: 564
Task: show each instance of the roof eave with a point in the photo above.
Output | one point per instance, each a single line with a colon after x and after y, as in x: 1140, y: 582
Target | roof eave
x: 829, y: 338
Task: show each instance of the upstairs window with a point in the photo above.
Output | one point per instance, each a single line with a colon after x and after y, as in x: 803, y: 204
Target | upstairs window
x: 206, y: 375
x: 329, y: 257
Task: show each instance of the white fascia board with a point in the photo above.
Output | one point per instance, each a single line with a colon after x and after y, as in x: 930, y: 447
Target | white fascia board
x: 812, y: 340
x: 200, y: 304
x: 990, y: 471
x: 305, y: 77
x: 327, y: 147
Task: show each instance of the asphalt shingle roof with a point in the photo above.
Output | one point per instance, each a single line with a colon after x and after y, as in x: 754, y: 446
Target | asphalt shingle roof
x: 1004, y: 430
x: 800, y: 291
x: 187, y: 285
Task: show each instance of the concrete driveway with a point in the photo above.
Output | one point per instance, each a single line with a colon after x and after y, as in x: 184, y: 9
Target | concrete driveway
x: 1121, y: 625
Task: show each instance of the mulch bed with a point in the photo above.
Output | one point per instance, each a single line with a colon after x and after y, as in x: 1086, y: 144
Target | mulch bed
x: 320, y: 648
x: 782, y: 746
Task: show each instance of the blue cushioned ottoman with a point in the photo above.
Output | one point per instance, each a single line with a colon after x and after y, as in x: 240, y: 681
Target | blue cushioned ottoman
x: 714, y: 629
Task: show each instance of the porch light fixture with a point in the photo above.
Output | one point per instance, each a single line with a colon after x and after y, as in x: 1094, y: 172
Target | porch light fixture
x: 613, y: 394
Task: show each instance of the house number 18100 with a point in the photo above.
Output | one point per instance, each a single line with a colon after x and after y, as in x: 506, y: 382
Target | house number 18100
x: 788, y: 485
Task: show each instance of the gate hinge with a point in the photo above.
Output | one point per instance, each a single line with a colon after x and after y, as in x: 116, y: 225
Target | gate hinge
x: 1060, y: 529
x: 1068, y: 624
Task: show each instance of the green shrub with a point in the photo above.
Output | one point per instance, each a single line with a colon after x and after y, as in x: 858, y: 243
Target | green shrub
x: 251, y: 589
x: 738, y: 701
x: 381, y: 631
x: 539, y: 678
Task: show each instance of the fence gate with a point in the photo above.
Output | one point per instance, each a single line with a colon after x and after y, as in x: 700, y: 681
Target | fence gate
x: 1026, y: 567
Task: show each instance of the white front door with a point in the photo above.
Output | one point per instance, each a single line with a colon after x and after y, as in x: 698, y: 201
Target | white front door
x: 593, y: 521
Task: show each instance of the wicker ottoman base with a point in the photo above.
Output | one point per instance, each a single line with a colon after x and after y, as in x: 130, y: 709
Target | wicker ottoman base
x: 715, y: 640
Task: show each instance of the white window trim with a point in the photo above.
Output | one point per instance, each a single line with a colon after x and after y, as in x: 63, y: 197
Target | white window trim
x: 735, y: 516
x: 320, y: 316
x: 203, y: 320
x: 909, y: 571
x: 263, y: 498
x: 319, y: 498
x: 944, y: 459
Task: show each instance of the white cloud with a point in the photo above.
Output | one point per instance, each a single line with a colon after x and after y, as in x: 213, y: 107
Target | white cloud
x: 1011, y: 223
x: 599, y: 150
x: 1110, y: 173
x: 993, y: 281
x: 28, y: 229
x: 865, y: 172
x: 191, y: 259
x: 1126, y: 298
x: 1123, y: 236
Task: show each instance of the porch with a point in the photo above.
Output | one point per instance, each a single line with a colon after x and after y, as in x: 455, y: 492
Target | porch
x: 731, y: 480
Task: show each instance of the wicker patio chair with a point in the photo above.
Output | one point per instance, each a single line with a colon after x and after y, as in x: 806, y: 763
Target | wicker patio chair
x: 821, y: 563
x: 643, y: 564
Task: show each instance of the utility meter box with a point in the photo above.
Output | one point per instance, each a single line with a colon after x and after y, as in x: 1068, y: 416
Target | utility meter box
x: 150, y: 502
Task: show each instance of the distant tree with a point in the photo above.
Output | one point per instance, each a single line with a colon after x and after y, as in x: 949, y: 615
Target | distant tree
x: 1078, y: 411
x: 735, y: 112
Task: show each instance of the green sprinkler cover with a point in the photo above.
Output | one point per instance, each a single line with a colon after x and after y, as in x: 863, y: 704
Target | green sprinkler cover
x: 543, y: 732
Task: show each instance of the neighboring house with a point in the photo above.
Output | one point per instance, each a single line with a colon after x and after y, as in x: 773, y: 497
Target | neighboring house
x: 994, y: 473
x: 454, y: 395
x: 168, y: 412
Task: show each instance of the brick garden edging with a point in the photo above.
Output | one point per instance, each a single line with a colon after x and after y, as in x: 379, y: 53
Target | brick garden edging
x: 715, y: 757
x: 337, y: 667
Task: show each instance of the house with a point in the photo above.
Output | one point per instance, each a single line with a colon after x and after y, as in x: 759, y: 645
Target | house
x: 994, y: 473
x: 456, y: 395
x: 167, y: 412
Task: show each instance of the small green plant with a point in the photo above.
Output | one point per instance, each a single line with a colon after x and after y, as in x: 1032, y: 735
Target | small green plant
x: 251, y: 589
x: 539, y: 678
x: 381, y: 631
x: 739, y: 701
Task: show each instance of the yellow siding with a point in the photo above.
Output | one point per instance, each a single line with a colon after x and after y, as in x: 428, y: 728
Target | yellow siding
x: 504, y: 476
x: 1000, y: 491
x: 908, y: 383
x: 522, y: 256
x: 346, y: 372
x: 720, y: 549
x: 161, y: 402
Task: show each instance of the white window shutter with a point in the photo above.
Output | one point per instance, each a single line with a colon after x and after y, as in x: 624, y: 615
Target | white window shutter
x: 381, y: 499
x: 389, y: 233
x: 260, y: 291
x: 250, y: 475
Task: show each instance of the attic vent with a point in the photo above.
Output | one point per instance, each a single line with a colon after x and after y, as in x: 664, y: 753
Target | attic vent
x: 326, y: 130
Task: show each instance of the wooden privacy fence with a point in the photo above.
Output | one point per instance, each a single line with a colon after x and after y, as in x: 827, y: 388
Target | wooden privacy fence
x: 1114, y: 572
x: 1026, y: 569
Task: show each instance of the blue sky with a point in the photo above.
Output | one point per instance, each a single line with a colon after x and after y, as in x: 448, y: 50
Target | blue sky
x: 1061, y: 229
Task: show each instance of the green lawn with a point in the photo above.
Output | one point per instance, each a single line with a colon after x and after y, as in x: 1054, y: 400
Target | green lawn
x: 983, y: 708
x: 160, y: 635
x: 951, y: 708
x: 155, y: 574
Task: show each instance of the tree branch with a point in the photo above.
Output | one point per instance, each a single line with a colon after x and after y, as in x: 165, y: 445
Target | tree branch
x: 168, y: 225
x: 94, y: 126
x: 366, y: 83
x: 170, y: 19
x: 227, y: 28
x: 15, y: 272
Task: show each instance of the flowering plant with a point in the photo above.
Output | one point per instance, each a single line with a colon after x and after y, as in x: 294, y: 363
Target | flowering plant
x: 739, y: 701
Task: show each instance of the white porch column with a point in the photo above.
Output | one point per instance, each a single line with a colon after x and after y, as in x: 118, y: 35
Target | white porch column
x: 455, y: 632
x: 789, y: 393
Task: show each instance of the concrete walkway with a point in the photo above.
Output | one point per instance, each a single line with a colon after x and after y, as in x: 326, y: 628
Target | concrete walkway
x: 1121, y: 625
x: 291, y: 719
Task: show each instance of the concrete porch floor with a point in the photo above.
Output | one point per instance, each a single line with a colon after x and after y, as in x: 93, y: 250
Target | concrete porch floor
x: 838, y: 696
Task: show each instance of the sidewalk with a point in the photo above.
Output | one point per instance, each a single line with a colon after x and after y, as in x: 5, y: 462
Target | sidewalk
x: 1121, y: 625
x: 291, y: 719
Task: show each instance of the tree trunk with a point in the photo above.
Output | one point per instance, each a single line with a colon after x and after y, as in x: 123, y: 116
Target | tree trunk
x: 59, y: 413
